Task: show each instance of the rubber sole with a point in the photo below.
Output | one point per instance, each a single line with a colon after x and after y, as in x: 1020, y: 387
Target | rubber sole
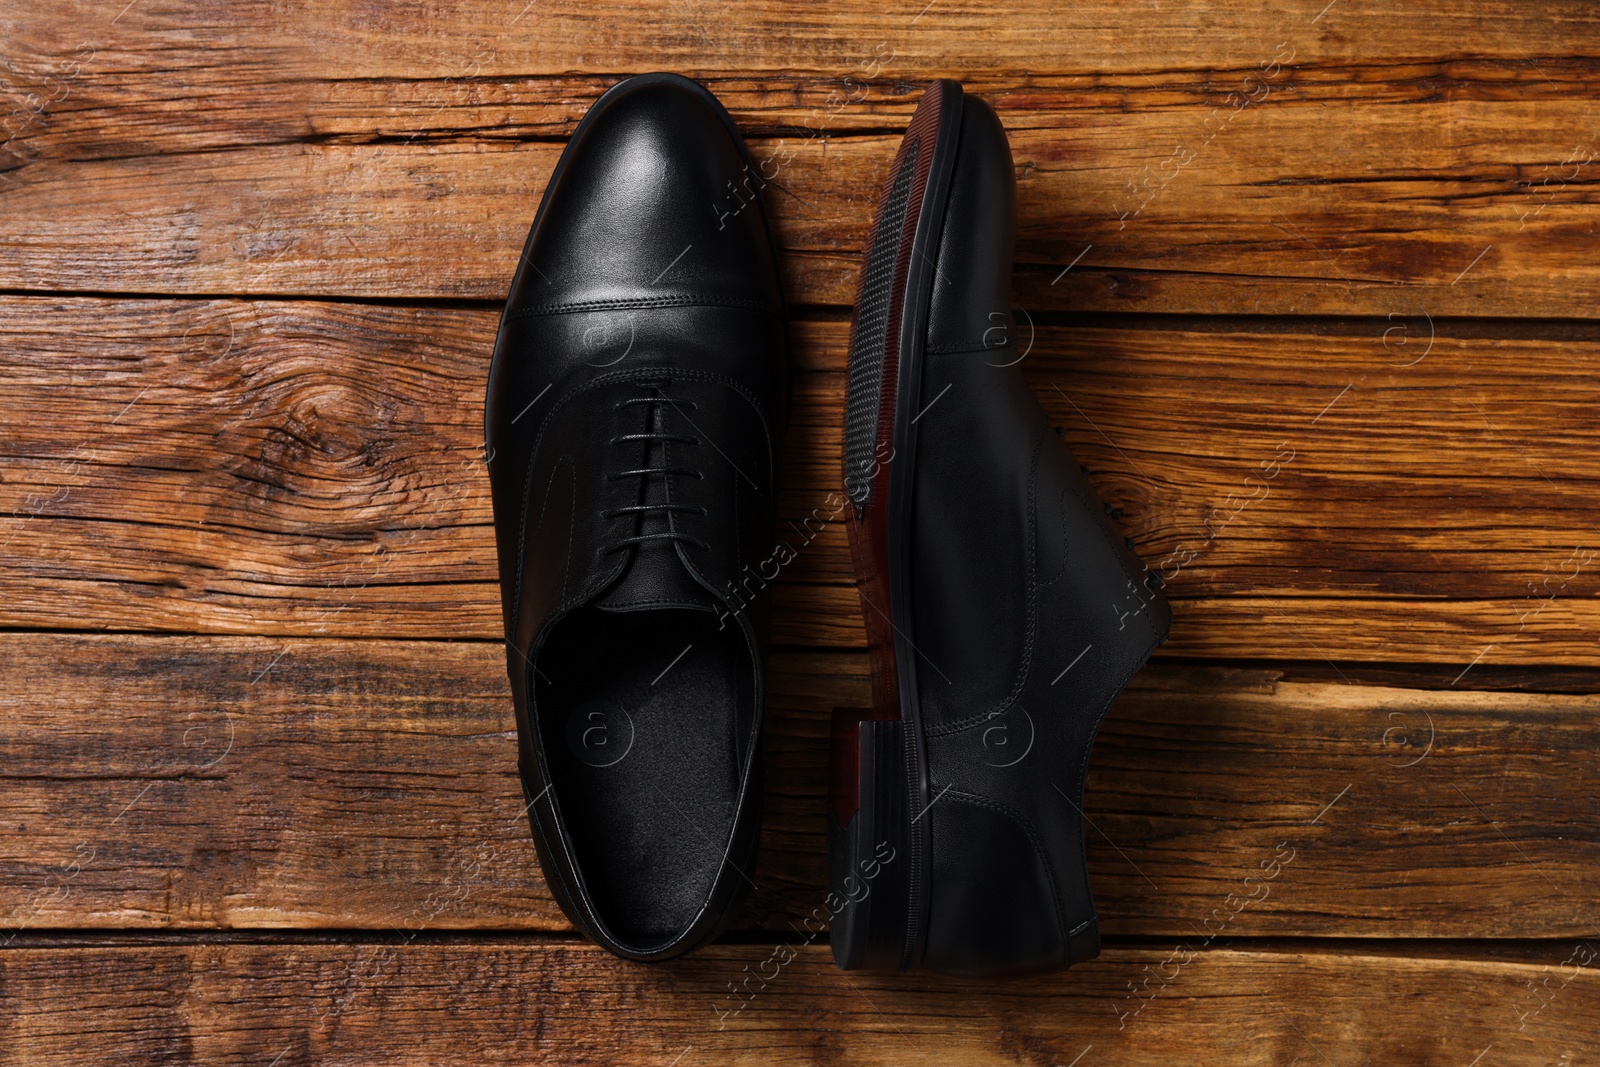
x: 879, y: 842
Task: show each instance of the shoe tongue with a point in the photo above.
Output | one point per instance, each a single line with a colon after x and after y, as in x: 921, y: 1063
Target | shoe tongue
x: 655, y: 578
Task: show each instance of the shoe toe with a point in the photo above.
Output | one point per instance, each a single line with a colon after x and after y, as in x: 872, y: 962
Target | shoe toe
x: 655, y: 205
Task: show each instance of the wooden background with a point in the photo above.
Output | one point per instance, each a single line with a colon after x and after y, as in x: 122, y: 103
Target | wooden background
x: 1312, y: 288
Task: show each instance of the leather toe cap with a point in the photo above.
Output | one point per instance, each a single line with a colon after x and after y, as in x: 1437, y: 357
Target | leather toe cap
x: 654, y: 205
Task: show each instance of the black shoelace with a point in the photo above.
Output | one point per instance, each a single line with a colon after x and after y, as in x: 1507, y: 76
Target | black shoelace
x: 664, y: 508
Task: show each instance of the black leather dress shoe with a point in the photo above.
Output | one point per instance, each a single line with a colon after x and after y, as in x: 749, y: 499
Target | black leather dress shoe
x: 634, y: 408
x: 1003, y: 609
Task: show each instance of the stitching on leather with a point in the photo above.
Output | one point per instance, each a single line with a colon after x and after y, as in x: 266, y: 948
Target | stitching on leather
x: 1115, y: 552
x: 668, y: 602
x: 580, y: 893
x: 623, y: 304
x: 1138, y: 663
x: 738, y: 534
x: 1065, y: 555
x: 1033, y: 609
x: 962, y: 348
x: 516, y: 594
x: 565, y: 876
x: 570, y: 876
x: 1083, y: 764
x: 572, y: 525
x: 677, y: 525
x: 586, y: 387
x: 1034, y: 839
x: 668, y: 480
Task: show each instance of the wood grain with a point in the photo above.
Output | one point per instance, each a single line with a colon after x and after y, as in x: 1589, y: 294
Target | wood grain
x: 1459, y: 187
x: 498, y: 1001
x: 1310, y: 289
x: 1345, y: 490
x: 506, y: 37
x: 241, y: 783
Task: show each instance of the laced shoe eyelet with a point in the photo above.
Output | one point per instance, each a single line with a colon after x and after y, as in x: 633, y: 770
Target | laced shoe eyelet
x: 667, y: 507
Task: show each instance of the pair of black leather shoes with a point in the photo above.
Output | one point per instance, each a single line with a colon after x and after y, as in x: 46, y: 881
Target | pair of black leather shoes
x: 636, y: 401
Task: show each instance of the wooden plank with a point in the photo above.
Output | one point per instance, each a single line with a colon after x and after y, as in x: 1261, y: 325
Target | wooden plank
x: 1460, y: 187
x: 235, y: 783
x: 179, y: 102
x: 311, y: 469
x: 510, y: 37
x: 497, y: 1001
x: 276, y: 849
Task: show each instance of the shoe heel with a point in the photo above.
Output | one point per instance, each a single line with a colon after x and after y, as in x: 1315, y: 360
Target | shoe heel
x: 867, y: 841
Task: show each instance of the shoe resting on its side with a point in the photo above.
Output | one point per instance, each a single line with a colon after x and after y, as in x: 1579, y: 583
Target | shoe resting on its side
x: 1004, y: 611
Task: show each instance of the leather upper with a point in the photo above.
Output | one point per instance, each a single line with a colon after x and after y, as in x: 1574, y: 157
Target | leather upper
x: 1029, y: 612
x: 970, y: 304
x: 643, y: 332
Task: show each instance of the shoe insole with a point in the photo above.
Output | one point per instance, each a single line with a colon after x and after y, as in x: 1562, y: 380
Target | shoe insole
x: 644, y: 715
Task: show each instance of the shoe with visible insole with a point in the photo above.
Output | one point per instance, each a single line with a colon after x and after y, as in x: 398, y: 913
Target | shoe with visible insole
x: 634, y: 406
x: 1004, y: 611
